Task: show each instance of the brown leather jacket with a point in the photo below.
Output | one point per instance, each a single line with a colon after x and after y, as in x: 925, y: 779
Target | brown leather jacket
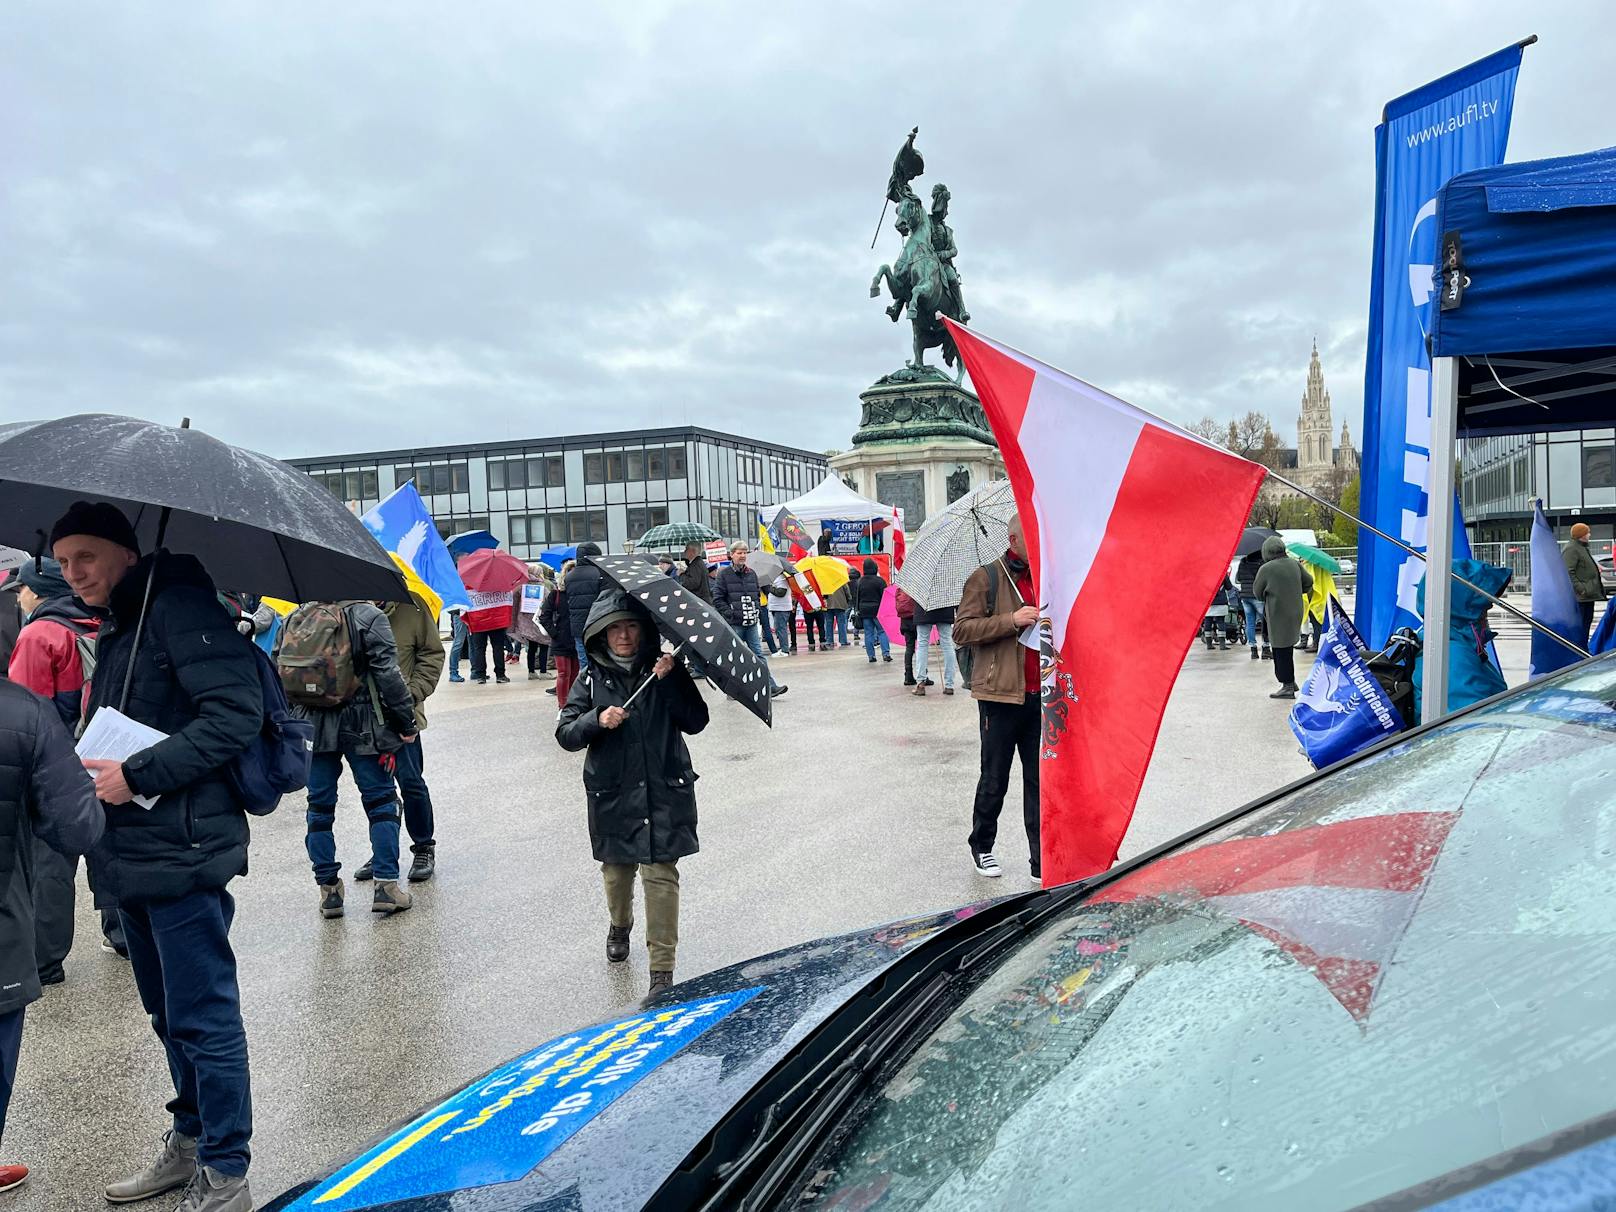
x: 998, y: 669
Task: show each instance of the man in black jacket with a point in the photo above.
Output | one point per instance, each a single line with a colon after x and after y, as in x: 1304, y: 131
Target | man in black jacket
x: 45, y: 794
x: 694, y: 577
x: 583, y: 587
x: 196, y: 680
x: 638, y: 778
x: 367, y: 731
x: 740, y: 601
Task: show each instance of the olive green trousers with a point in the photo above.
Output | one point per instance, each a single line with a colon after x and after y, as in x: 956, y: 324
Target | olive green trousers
x: 661, y: 881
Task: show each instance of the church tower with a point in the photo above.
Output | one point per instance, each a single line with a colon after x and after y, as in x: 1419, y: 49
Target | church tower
x: 1314, y: 431
x: 1348, y: 457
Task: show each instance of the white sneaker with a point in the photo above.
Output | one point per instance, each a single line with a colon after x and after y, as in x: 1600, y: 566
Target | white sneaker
x: 986, y: 865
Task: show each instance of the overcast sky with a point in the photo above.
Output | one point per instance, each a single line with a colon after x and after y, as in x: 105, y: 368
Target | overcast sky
x: 318, y: 228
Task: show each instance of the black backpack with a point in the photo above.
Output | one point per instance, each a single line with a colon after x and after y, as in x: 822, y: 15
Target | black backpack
x: 277, y: 761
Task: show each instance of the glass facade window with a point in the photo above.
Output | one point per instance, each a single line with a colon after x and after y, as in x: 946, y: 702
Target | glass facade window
x: 594, y: 467
x: 349, y: 485
x: 586, y: 527
x: 533, y: 472
x: 436, y: 479
x: 642, y: 518
x: 451, y: 525
x: 750, y: 469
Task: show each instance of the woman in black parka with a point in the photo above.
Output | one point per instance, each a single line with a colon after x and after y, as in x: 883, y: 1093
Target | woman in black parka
x: 637, y: 775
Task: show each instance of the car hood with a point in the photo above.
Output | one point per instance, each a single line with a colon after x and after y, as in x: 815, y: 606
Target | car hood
x: 547, y: 1130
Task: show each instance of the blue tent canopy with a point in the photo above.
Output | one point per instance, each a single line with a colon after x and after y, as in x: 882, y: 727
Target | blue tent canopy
x: 1526, y: 294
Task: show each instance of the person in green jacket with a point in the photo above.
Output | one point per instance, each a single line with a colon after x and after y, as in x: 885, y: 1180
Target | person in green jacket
x: 1585, y: 579
x: 1282, y: 585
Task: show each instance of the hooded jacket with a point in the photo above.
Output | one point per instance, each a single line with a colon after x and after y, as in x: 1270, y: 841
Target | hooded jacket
x: 871, y: 586
x: 1472, y: 676
x: 1283, y: 585
x: 637, y: 777
x: 196, y: 679
x: 694, y: 579
x: 583, y: 587
x: 45, y: 793
x: 46, y: 657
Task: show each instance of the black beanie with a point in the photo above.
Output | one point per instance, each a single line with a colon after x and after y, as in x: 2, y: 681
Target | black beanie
x: 99, y: 520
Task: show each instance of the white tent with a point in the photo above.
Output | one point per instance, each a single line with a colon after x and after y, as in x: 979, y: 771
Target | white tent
x: 834, y: 499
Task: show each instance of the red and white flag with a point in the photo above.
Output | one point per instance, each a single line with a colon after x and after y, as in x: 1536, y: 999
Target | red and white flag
x: 1136, y: 523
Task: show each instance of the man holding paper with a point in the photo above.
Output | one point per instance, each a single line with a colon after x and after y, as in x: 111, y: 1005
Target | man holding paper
x: 195, y: 682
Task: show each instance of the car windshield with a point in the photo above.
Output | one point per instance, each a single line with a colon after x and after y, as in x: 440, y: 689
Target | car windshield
x: 1399, y: 970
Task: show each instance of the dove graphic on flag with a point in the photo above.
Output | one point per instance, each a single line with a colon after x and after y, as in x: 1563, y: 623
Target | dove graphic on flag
x: 1343, y: 707
x: 402, y: 524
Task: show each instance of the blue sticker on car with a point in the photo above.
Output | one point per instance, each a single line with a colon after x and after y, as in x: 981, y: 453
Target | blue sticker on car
x: 498, y: 1129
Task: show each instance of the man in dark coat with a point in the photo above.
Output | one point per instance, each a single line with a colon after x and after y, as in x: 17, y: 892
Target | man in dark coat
x: 1586, y: 582
x: 1281, y: 585
x: 739, y: 599
x: 583, y: 587
x: 10, y: 619
x: 196, y: 680
x: 49, y: 659
x: 694, y: 577
x: 637, y: 775
x: 45, y: 794
x: 556, y: 618
x: 367, y: 731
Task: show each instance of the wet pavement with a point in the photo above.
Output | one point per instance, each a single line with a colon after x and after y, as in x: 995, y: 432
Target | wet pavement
x: 852, y: 811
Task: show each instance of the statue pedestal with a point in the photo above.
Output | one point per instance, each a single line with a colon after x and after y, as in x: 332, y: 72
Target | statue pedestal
x: 922, y: 442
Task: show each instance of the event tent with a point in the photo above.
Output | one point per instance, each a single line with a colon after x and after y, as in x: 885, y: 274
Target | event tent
x: 1523, y: 331
x: 831, y: 498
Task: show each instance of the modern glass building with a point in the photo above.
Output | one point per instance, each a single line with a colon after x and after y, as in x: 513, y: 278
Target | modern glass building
x: 606, y: 487
x: 1574, y: 473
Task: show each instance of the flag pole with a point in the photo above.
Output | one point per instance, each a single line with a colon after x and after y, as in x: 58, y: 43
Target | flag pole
x: 1381, y: 534
x: 948, y: 322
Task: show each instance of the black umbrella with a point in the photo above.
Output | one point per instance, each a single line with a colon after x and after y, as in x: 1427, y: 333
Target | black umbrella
x: 254, y: 522
x: 1252, y: 540
x: 694, y: 627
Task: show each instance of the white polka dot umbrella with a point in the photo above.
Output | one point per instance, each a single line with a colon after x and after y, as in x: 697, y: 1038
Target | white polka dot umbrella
x: 694, y: 627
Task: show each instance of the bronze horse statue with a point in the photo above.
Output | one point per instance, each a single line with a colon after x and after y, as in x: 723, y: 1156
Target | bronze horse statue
x: 918, y: 281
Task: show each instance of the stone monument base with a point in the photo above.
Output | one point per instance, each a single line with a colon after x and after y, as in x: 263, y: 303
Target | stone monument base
x: 923, y: 442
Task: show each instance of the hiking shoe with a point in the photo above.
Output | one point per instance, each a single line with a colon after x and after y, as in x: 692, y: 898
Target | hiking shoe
x: 330, y: 906
x: 985, y: 864
x: 12, y: 1176
x: 502, y: 681
x: 455, y: 677
x: 174, y: 1166
x: 919, y: 691
x: 1254, y: 652
x: 366, y: 872
x: 549, y: 690
x: 1267, y: 653
x: 211, y: 1191
x: 389, y: 898
x: 779, y: 690
x: 660, y: 980
x: 533, y: 675
x: 423, y: 865
x: 1286, y: 691
x: 480, y: 681
x: 617, y: 944
x: 887, y: 659
x: 948, y: 690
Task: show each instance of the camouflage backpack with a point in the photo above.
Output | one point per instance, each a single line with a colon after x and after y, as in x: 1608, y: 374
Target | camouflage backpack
x: 315, y: 656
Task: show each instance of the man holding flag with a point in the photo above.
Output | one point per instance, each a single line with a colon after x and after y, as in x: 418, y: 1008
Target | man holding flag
x: 1098, y: 481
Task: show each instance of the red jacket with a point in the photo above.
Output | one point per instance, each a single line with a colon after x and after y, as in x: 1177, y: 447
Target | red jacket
x: 46, y: 658
x: 905, y: 605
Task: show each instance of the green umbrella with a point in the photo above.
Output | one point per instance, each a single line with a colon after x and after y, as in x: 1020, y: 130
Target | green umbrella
x: 672, y: 536
x: 1312, y: 555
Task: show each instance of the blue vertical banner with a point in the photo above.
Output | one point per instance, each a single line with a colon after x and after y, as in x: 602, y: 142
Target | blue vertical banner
x: 1452, y: 125
x: 1554, y: 602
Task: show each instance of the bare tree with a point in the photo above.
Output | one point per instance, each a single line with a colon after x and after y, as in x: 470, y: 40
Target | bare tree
x: 1211, y: 429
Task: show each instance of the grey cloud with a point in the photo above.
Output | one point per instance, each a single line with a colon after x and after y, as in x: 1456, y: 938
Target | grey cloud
x: 316, y: 228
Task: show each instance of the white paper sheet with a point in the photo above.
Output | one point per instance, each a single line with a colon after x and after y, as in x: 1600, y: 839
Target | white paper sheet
x: 112, y: 736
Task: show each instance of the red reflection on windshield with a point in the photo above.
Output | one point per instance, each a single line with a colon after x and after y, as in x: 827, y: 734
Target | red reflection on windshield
x: 1336, y: 898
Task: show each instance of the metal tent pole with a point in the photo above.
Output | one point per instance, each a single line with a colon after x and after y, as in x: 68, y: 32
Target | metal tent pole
x: 1439, y: 537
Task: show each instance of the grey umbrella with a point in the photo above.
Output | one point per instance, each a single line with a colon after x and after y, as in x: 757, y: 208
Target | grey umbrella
x: 255, y: 523
x: 973, y: 531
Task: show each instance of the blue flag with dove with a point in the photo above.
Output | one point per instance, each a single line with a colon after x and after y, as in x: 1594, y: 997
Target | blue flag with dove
x: 403, y: 524
x: 1554, y: 602
x: 1342, y: 707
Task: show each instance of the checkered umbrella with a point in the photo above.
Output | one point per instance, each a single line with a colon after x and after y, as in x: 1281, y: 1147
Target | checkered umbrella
x: 973, y: 531
x: 695, y: 628
x: 672, y: 536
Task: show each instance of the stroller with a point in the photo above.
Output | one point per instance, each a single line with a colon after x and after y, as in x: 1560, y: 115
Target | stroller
x: 1393, y: 667
x: 1222, y: 619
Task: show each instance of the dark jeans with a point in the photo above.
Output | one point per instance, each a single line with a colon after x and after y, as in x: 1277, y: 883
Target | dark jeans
x: 817, y: 621
x: 767, y: 632
x: 1009, y: 730
x: 1285, y: 665
x: 376, y: 793
x: 459, y: 645
x: 836, y: 623
x: 484, y: 644
x: 186, y: 975
x: 538, y: 657
x: 1587, y: 609
x: 10, y: 1046
x: 909, y: 638
x: 412, y: 789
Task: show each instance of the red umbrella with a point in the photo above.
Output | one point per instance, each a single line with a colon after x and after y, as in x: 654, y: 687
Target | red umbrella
x: 492, y: 571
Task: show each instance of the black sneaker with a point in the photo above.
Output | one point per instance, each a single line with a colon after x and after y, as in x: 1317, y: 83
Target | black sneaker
x: 422, y: 866
x: 366, y: 872
x: 617, y: 944
x: 779, y: 690
x: 985, y: 864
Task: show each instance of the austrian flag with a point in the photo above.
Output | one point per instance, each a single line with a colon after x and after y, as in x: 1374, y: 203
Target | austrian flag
x: 1130, y: 527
